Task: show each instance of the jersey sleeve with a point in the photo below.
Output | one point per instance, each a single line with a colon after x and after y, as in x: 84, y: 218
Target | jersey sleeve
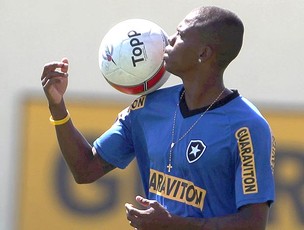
x: 255, y: 148
x: 115, y: 145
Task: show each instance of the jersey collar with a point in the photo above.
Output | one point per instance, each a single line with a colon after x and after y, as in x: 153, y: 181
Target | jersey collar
x: 188, y: 113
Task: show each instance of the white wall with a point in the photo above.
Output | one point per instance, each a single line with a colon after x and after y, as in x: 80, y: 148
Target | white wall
x: 267, y: 71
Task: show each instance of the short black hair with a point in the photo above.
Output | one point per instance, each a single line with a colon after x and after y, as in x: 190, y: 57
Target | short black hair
x: 223, y: 29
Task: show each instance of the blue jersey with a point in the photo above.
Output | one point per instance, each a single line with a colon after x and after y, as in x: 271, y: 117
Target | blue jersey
x: 224, y: 162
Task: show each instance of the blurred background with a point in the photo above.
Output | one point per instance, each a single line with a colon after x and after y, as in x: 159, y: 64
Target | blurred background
x: 37, y: 191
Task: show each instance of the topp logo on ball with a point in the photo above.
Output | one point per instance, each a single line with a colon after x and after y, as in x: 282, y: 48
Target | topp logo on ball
x: 131, y: 56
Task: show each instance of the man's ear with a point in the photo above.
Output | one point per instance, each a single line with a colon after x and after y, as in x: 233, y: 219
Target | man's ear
x: 206, y: 53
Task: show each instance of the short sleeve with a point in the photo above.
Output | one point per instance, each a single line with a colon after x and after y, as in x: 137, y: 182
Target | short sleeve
x: 254, y: 168
x: 115, y: 145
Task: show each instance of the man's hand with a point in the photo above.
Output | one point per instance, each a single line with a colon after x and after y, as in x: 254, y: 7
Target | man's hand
x: 54, y: 80
x: 155, y: 216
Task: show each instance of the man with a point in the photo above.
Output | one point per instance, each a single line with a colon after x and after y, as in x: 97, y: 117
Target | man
x: 204, y: 152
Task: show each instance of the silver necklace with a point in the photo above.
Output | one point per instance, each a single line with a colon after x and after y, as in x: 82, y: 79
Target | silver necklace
x: 169, y: 166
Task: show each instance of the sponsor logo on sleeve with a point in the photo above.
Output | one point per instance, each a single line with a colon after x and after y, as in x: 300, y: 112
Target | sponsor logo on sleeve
x: 272, y: 155
x: 249, y: 179
x: 138, y: 103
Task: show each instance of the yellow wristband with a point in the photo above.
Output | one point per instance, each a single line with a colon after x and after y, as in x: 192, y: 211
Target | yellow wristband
x: 62, y: 121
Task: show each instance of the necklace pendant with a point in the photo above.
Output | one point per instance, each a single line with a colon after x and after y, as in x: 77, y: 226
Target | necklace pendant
x: 172, y: 145
x: 169, y: 167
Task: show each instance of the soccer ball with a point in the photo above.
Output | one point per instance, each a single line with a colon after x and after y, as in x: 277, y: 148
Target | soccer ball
x: 131, y: 56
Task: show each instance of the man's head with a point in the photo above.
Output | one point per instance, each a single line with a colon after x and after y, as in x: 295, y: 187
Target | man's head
x: 207, y: 35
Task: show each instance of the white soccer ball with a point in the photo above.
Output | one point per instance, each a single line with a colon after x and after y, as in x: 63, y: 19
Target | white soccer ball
x: 131, y: 56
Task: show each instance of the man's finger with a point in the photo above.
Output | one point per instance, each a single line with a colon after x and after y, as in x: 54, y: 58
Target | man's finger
x: 142, y: 201
x: 65, y: 66
x: 53, y: 75
x: 52, y: 66
x: 132, y: 211
x: 146, y: 202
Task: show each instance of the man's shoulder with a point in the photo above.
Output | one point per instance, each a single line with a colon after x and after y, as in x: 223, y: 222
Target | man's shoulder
x: 243, y: 112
